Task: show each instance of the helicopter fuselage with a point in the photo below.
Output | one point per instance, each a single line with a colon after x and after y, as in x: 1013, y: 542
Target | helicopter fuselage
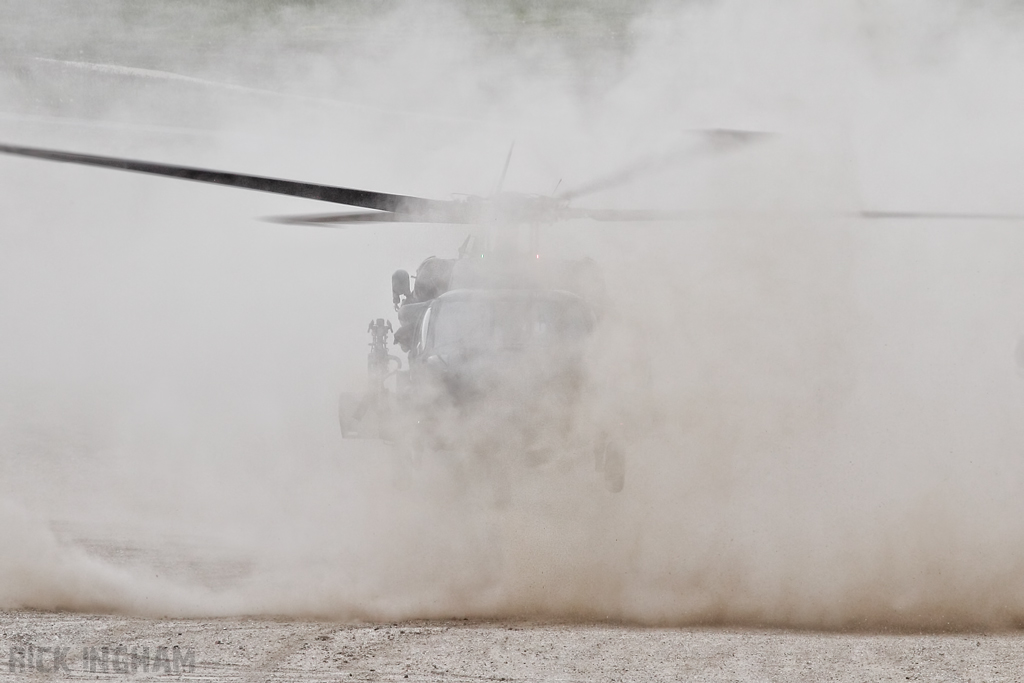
x: 504, y: 365
x: 495, y: 345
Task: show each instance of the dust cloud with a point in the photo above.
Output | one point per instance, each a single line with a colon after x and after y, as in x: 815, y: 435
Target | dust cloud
x: 824, y: 413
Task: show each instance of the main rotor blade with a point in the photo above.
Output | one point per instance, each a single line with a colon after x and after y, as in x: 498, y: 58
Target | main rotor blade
x: 170, y: 76
x: 366, y: 199
x: 121, y: 126
x: 642, y: 215
x: 710, y: 142
x: 628, y: 215
x: 328, y: 219
x: 936, y: 215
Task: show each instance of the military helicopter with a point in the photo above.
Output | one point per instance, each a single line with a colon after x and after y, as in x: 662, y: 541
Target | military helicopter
x: 495, y: 334
x: 494, y: 337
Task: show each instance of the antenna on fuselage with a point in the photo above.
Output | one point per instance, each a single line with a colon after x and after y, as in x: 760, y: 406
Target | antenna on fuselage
x: 504, y: 171
x: 494, y: 237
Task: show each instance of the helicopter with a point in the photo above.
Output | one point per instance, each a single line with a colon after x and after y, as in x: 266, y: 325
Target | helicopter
x: 495, y: 337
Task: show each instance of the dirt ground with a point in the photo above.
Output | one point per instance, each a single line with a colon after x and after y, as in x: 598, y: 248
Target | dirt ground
x: 269, y: 650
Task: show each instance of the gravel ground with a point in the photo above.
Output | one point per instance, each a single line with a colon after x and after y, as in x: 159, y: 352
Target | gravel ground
x: 269, y: 650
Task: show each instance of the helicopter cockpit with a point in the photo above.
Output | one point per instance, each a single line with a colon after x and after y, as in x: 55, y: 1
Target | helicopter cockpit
x: 477, y: 346
x: 505, y: 320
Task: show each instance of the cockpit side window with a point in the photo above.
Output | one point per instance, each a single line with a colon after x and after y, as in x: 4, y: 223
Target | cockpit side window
x: 425, y: 329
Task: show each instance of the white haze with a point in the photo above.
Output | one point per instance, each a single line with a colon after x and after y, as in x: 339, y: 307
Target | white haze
x: 831, y: 427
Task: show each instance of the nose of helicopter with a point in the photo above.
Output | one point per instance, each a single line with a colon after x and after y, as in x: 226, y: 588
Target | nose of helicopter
x: 508, y: 373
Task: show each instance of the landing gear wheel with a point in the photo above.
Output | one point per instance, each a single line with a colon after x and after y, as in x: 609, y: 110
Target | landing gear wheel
x: 348, y: 407
x: 363, y: 417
